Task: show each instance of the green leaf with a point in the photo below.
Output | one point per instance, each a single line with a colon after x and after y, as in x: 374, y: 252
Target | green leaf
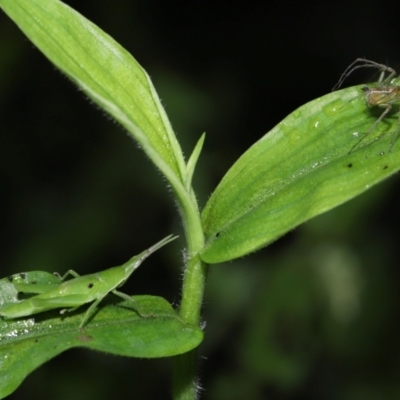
x: 300, y: 169
x: 191, y: 165
x: 116, y: 328
x: 106, y: 72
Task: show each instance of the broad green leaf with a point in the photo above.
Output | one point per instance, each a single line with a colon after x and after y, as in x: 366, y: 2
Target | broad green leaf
x: 105, y: 71
x: 298, y: 170
x: 27, y: 343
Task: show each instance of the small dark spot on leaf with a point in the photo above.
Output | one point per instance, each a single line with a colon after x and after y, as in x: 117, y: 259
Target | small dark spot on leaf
x: 90, y: 285
x: 84, y: 338
x: 217, y: 234
x: 350, y: 165
x: 385, y: 167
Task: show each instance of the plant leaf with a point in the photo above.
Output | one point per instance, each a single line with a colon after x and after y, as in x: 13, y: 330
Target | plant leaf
x: 300, y: 169
x: 27, y: 343
x: 191, y: 165
x: 105, y: 71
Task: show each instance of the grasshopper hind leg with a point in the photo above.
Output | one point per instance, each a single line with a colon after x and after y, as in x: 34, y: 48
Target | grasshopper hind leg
x: 132, y: 301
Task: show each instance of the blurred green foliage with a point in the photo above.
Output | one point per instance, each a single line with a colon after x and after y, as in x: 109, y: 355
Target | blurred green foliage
x: 314, y: 316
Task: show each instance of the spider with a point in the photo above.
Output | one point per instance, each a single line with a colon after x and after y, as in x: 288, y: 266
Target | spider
x: 384, y: 94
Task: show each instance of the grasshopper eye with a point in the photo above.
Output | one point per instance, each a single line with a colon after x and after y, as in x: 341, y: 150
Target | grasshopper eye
x: 365, y: 89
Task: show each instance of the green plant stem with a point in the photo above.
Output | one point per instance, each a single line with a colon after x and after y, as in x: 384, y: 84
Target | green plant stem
x: 185, y: 381
x: 193, y: 290
x: 185, y: 374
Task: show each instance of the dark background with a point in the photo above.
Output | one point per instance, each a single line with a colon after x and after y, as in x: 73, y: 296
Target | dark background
x: 314, y: 316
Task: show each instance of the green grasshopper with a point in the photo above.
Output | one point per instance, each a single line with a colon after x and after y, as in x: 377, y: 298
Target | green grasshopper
x: 77, y: 291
